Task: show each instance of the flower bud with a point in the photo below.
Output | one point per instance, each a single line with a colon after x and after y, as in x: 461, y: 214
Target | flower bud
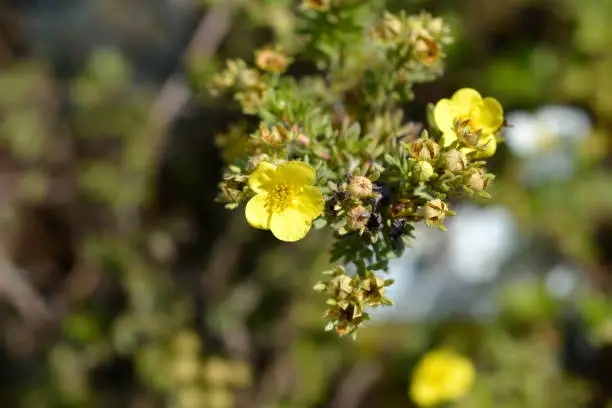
x: 455, y: 160
x: 373, y: 289
x: 271, y: 60
x: 388, y: 29
x: 435, y: 211
x: 357, y: 217
x: 424, y: 149
x: 360, y: 186
x: 427, y: 51
x: 423, y: 170
x: 254, y: 161
x: 248, y: 78
x: 477, y: 180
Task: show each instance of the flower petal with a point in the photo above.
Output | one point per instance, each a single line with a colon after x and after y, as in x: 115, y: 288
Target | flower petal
x: 448, y: 138
x: 310, y: 201
x: 257, y: 213
x: 263, y: 177
x: 444, y: 115
x: 296, y: 173
x: 491, y: 115
x: 425, y: 395
x: 487, y: 147
x: 465, y: 100
x: 290, y: 225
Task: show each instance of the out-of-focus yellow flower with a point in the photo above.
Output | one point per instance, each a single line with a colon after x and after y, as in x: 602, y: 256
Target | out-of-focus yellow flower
x: 441, y: 376
x: 316, y: 4
x: 285, y: 201
x: 471, y: 118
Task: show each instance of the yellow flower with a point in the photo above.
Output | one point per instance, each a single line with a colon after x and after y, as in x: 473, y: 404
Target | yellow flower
x: 441, y: 376
x: 472, y: 118
x: 285, y: 201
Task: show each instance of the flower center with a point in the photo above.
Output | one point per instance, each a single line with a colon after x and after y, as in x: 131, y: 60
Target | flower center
x: 280, y: 197
x: 468, y: 121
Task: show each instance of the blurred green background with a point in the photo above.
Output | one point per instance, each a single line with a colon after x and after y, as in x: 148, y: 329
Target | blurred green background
x: 123, y: 284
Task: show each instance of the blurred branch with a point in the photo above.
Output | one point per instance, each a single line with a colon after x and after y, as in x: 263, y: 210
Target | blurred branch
x: 175, y: 93
x: 356, y: 384
x: 15, y: 288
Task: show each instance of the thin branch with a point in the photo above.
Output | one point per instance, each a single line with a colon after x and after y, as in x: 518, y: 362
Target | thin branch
x: 176, y: 93
x: 20, y: 294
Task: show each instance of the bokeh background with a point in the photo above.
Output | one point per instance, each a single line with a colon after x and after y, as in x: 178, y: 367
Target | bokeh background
x: 123, y: 284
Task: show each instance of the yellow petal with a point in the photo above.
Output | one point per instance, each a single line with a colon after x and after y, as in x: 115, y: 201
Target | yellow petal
x: 310, y: 201
x: 448, y: 138
x: 488, y: 146
x: 296, y: 173
x: 491, y: 115
x: 290, y: 225
x: 424, y: 394
x: 460, y: 379
x: 257, y: 213
x: 263, y: 177
x: 465, y: 100
x: 444, y: 115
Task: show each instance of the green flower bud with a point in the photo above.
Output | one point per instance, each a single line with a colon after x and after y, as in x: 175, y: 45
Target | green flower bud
x: 423, y: 170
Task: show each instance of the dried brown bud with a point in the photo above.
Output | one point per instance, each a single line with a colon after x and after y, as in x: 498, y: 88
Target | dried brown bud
x: 435, y: 211
x: 477, y: 180
x: 424, y: 149
x: 455, y: 160
x: 275, y: 136
x: 360, y: 186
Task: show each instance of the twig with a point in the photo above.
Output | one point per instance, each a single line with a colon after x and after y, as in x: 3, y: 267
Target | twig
x: 18, y: 292
x: 175, y: 93
x: 355, y: 385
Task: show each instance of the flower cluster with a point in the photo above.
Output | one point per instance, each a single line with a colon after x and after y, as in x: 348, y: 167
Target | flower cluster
x: 333, y: 148
x: 348, y: 298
